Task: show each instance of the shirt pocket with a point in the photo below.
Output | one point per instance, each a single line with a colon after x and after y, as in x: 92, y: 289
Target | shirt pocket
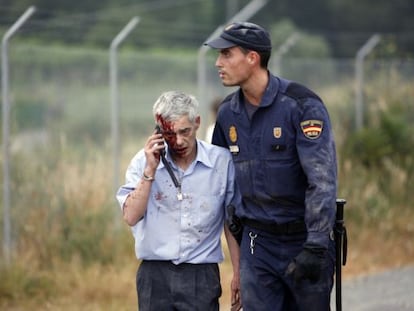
x: 210, y: 212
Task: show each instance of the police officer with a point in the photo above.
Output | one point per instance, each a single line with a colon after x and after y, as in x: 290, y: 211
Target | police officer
x: 281, y: 139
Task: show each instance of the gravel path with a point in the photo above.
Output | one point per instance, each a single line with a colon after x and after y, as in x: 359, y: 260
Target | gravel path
x: 392, y: 290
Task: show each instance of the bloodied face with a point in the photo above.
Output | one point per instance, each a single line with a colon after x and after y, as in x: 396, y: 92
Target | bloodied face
x: 180, y: 135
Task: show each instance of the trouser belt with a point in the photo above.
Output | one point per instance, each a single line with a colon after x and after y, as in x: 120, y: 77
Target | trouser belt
x: 278, y: 229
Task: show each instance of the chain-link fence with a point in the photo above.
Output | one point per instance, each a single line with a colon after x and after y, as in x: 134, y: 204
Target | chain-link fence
x: 62, y: 96
x: 67, y: 91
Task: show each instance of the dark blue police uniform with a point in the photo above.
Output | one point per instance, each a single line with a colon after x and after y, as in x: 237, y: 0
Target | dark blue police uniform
x: 286, y: 168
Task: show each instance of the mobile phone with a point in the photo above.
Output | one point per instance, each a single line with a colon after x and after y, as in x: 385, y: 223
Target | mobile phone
x: 159, y: 131
x: 168, y: 166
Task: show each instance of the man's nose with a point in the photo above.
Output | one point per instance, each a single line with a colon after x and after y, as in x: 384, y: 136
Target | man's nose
x: 218, y: 61
x: 179, y: 139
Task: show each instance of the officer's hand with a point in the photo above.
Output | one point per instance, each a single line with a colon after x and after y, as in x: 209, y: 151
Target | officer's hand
x: 307, y: 264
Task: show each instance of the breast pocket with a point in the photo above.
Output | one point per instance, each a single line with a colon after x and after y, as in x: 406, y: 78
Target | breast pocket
x: 244, y: 176
x: 278, y: 174
x: 210, y: 212
x: 281, y: 167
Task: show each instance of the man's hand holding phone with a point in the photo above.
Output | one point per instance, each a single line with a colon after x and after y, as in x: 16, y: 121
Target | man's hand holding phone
x: 153, y: 149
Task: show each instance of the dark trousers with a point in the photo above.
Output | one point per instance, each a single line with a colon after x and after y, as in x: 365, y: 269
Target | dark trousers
x: 164, y: 286
x: 264, y: 284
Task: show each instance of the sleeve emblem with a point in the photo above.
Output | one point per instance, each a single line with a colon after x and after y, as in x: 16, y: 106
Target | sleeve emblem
x: 312, y: 129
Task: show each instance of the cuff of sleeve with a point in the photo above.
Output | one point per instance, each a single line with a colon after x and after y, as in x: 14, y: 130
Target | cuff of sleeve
x: 318, y: 238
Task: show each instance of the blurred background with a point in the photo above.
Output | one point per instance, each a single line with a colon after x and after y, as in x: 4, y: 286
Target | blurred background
x: 78, y: 84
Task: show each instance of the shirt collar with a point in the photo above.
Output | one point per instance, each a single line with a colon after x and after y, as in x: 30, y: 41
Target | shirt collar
x: 271, y: 91
x: 202, y: 155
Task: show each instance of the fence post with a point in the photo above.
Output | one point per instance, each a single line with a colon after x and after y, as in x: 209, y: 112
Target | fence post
x: 6, y: 130
x: 282, y: 50
x: 243, y: 15
x: 113, y: 73
x: 359, y: 79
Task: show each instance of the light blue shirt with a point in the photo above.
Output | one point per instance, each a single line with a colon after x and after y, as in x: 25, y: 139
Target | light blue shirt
x: 188, y: 230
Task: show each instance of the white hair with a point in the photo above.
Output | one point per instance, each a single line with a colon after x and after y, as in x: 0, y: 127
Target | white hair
x: 173, y: 105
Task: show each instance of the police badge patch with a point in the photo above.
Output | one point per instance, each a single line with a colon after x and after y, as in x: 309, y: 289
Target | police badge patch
x: 277, y: 132
x: 312, y: 129
x: 234, y: 149
x: 233, y: 134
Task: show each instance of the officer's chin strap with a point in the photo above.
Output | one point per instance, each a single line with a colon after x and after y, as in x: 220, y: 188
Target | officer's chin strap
x: 341, y: 242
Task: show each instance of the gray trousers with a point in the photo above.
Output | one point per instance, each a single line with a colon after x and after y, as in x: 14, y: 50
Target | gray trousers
x: 164, y: 286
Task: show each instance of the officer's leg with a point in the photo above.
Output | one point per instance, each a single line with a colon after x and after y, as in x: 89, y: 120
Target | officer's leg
x: 261, y: 287
x: 316, y: 296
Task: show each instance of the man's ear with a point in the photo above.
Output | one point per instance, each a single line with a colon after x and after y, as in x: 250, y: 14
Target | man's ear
x: 253, y: 57
x: 197, y: 122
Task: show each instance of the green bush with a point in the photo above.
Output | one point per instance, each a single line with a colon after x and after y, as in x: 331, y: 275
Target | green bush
x: 390, y: 139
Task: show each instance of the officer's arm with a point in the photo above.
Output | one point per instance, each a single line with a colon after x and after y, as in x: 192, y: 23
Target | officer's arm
x: 219, y: 138
x: 316, y: 149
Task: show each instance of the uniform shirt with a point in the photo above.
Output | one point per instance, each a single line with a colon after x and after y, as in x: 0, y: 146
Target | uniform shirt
x: 284, y: 157
x: 188, y: 230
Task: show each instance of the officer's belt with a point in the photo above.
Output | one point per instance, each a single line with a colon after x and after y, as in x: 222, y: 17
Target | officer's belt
x: 278, y: 229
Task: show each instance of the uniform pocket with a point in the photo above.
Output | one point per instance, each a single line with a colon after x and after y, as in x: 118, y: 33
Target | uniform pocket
x: 243, y: 173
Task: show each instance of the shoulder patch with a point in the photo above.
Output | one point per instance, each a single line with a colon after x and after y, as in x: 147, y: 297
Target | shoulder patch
x: 312, y: 129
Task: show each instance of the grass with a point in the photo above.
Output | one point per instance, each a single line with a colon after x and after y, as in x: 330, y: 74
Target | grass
x: 71, y: 285
x: 72, y: 255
